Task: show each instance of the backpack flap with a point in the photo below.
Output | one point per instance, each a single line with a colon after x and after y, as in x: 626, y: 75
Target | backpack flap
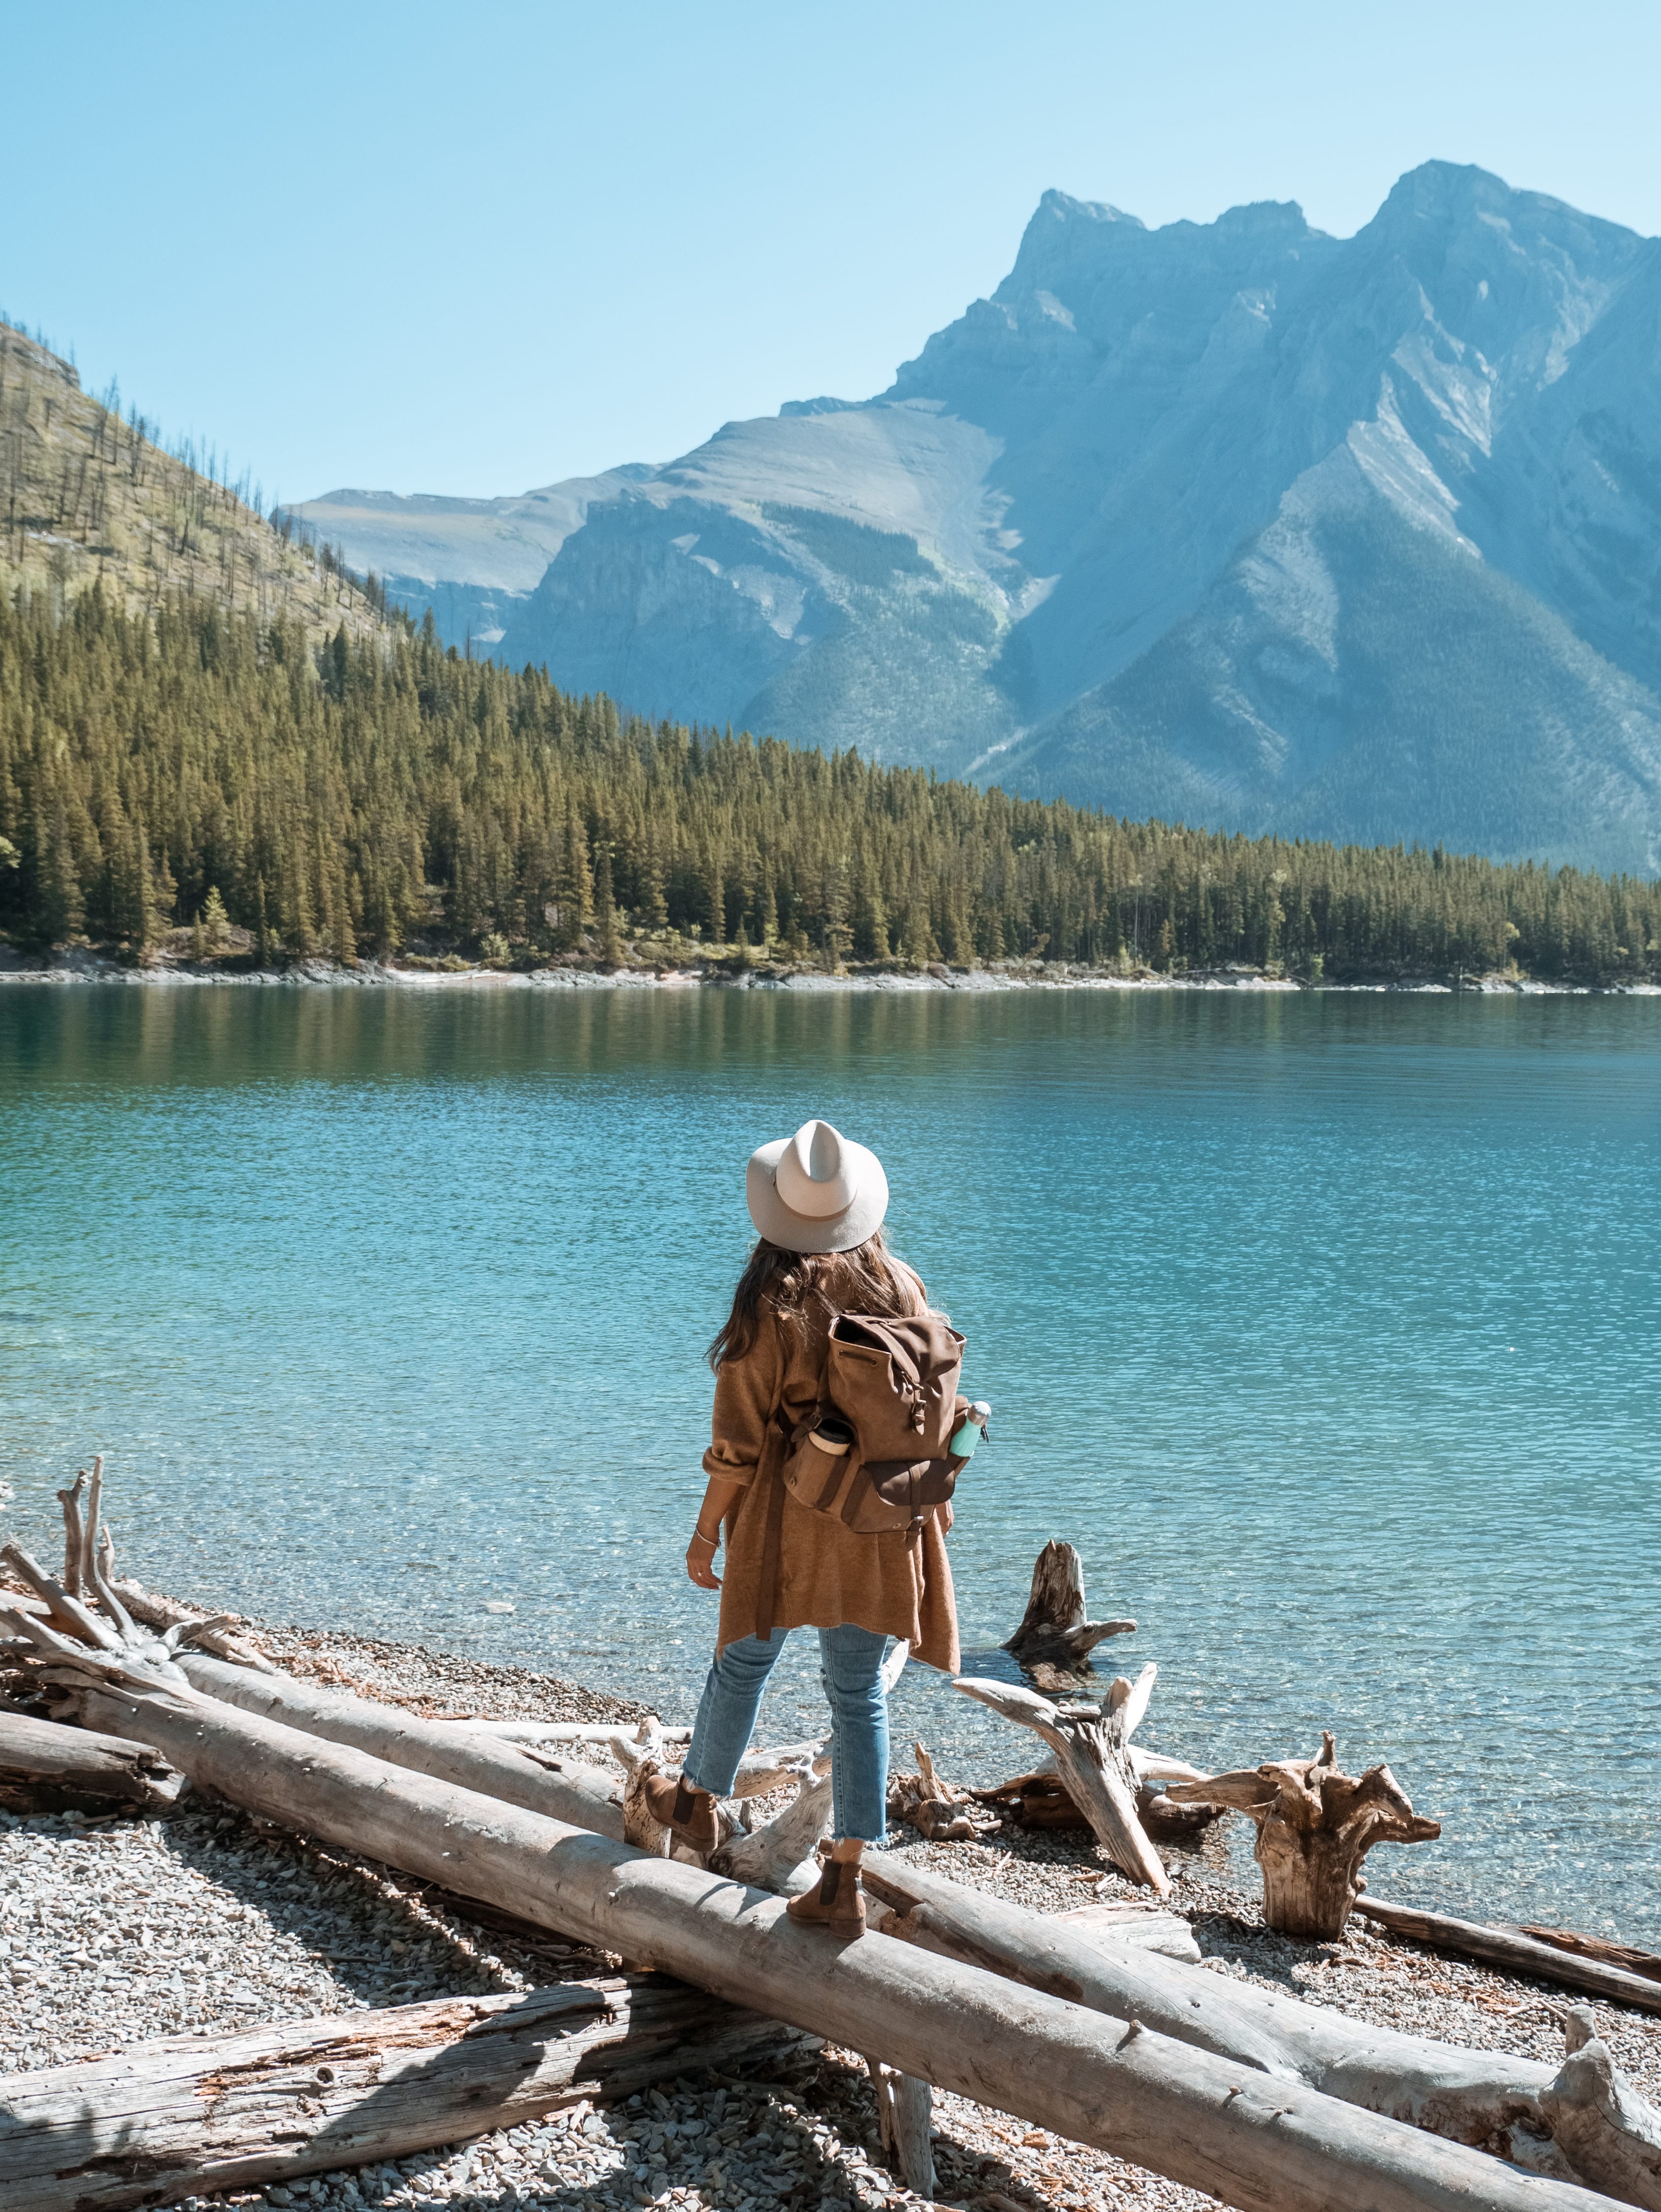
x: 894, y: 1377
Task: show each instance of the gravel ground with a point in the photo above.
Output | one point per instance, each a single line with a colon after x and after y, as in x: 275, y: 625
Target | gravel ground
x: 118, y: 1929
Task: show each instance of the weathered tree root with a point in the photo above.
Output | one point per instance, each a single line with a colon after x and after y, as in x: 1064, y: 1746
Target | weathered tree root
x: 1315, y: 1827
x: 932, y: 1807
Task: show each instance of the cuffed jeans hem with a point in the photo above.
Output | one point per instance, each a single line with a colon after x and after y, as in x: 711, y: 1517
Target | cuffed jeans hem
x: 851, y: 1667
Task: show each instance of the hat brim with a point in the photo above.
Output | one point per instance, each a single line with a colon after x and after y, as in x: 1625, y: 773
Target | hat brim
x: 831, y: 1232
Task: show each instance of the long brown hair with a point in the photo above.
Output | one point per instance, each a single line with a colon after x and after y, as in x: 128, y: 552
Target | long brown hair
x: 805, y: 1289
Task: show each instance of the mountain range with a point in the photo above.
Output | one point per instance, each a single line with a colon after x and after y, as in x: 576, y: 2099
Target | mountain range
x: 1237, y: 524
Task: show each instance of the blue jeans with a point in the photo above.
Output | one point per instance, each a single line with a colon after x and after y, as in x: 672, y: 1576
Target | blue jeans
x: 850, y: 1663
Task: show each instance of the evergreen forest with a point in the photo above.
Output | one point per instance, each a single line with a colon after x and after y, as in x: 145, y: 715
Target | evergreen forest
x: 206, y: 771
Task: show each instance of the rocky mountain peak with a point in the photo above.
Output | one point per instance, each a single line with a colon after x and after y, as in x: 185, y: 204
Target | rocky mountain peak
x: 1233, y: 522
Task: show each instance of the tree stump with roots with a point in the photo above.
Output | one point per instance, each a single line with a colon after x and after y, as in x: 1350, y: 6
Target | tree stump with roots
x: 1054, y: 1633
x: 1314, y: 1825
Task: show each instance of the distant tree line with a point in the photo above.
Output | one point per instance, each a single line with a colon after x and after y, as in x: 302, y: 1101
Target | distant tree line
x: 384, y: 792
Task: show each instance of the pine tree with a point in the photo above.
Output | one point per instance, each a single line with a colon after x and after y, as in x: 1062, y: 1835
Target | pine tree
x: 605, y: 912
x: 917, y: 943
x: 63, y: 911
x: 576, y: 887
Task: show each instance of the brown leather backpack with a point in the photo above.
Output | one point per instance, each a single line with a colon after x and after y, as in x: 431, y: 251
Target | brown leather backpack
x: 874, y: 1453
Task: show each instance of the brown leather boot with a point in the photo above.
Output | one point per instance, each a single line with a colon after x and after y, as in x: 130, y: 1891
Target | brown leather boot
x: 836, y: 1901
x: 687, y: 1813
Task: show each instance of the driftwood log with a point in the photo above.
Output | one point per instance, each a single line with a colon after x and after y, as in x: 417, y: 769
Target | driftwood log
x: 189, y: 2114
x: 524, y: 1731
x: 1583, y: 2122
x: 1138, y: 1926
x: 1587, y: 2096
x: 1524, y: 1951
x: 1601, y: 1947
x: 1167, y: 1822
x: 1473, y: 2098
x: 1053, y: 1632
x: 1092, y: 1745
x: 1042, y: 1799
x: 45, y: 1768
x: 428, y: 1828
x: 1038, y: 1800
x: 1315, y: 1827
x: 543, y: 1782
x: 1118, y: 2086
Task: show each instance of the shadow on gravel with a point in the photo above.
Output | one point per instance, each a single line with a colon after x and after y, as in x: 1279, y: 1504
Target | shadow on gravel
x: 371, y: 1927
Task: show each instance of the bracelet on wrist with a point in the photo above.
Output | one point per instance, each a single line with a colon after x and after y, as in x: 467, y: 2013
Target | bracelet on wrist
x: 700, y: 1537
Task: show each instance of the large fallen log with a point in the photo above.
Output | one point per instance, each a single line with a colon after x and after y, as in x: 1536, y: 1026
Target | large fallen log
x: 189, y: 2114
x: 1262, y: 2145
x: 1607, y: 2131
x: 1567, y: 2124
x: 543, y: 1782
x: 1517, y: 1950
x: 45, y: 1768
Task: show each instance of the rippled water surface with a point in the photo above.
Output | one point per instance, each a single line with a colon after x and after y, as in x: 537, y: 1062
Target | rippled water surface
x: 1326, y: 1327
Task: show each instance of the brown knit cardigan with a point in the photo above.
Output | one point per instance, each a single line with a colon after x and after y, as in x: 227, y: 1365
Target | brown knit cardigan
x: 894, y: 1584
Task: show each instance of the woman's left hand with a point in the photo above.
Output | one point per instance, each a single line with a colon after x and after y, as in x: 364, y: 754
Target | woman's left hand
x: 701, y: 1561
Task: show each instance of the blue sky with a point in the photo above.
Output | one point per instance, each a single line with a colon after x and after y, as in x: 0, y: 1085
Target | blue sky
x: 469, y: 250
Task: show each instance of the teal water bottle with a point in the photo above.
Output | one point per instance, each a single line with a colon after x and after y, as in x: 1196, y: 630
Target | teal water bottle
x: 973, y: 1430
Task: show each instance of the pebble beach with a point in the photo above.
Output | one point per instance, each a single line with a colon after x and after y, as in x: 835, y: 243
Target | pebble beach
x: 118, y: 1929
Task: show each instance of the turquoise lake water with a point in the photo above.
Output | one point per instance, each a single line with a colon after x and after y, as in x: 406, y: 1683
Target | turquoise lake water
x: 1326, y: 1326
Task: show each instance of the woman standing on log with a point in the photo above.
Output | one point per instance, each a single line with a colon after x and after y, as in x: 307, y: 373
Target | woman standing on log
x: 818, y: 1201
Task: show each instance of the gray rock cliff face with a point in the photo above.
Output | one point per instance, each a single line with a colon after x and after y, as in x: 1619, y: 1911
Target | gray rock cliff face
x: 1233, y: 522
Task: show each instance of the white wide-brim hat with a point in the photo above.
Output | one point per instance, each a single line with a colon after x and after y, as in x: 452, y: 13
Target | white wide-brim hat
x: 817, y: 1191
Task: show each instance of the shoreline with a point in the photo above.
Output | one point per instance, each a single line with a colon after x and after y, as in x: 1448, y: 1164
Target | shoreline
x: 83, y: 968
x: 199, y: 1922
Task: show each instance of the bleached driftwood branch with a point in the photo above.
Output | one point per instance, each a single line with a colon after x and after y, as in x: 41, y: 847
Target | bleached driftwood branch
x: 780, y: 1856
x: 523, y: 1731
x: 1524, y: 1951
x: 1091, y: 1746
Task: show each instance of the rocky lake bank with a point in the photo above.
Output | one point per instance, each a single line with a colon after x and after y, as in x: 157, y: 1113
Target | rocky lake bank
x: 450, y: 973
x: 121, y: 1929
